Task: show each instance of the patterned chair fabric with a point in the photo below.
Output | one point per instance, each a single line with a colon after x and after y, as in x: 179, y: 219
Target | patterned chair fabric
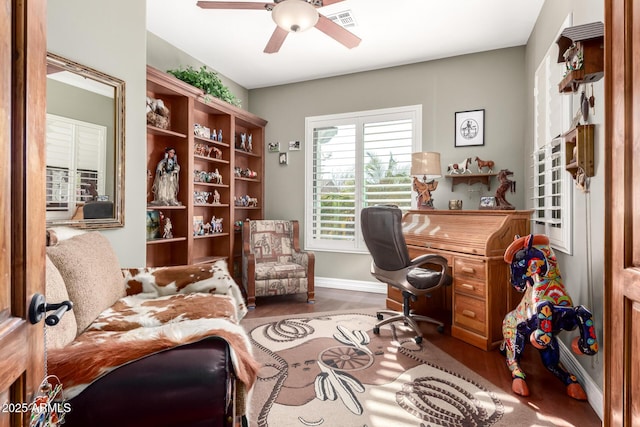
x: 272, y: 262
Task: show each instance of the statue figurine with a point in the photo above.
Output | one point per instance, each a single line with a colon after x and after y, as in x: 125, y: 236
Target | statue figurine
x: 219, y: 135
x: 167, y: 229
x: 166, y: 183
x: 545, y: 310
x: 250, y: 142
x: 505, y: 184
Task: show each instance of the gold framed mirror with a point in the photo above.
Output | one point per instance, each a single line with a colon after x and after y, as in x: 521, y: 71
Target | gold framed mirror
x: 85, y: 138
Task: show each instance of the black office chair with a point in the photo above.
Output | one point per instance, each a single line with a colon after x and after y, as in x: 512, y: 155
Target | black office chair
x: 382, y: 232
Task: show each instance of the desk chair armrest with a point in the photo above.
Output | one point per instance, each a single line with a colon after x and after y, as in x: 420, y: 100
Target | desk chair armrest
x: 432, y: 259
x: 429, y: 259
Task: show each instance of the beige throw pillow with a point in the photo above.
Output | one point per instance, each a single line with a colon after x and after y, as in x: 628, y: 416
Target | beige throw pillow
x: 91, y: 271
x: 65, y: 331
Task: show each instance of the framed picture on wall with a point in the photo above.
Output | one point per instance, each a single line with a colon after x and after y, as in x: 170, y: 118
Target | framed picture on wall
x: 469, y: 130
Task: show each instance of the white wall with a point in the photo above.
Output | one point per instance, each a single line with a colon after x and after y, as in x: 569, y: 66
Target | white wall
x: 110, y: 36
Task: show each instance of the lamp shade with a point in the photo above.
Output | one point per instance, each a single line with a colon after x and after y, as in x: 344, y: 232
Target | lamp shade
x: 426, y: 163
x: 294, y: 15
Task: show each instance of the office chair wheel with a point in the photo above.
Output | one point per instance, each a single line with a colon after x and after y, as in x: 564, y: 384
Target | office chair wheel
x: 440, y: 329
x: 376, y: 330
x: 418, y: 340
x: 379, y: 316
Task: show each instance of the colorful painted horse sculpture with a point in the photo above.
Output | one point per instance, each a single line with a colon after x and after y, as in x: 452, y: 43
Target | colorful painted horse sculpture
x: 545, y: 310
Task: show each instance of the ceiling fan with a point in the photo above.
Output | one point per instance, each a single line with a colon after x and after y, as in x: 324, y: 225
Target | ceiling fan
x: 292, y: 16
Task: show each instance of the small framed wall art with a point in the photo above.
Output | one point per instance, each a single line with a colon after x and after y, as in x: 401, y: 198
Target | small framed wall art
x: 283, y: 159
x: 274, y: 147
x: 294, y: 145
x: 469, y: 128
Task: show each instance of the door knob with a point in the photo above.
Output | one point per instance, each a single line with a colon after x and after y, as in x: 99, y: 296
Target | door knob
x: 38, y: 308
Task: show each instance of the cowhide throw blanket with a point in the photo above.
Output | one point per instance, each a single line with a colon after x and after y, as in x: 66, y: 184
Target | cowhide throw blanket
x: 166, y: 312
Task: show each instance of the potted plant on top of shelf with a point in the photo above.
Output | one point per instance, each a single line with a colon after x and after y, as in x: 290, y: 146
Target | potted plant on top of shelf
x: 206, y: 80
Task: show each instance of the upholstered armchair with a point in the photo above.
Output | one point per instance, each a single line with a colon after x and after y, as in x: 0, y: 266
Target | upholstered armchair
x: 272, y: 262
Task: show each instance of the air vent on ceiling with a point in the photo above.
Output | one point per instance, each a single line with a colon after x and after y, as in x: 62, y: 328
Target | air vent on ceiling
x: 344, y: 18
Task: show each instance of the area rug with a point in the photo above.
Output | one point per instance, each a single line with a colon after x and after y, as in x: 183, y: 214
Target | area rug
x: 331, y: 370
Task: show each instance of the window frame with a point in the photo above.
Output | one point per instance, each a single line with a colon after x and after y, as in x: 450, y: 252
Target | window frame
x: 552, y: 119
x: 359, y: 118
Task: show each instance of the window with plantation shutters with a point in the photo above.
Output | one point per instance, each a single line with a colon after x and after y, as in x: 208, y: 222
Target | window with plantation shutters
x: 353, y: 161
x: 552, y: 191
x: 76, y: 164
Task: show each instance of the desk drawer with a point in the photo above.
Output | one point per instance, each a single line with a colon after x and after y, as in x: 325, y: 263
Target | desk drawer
x: 470, y: 313
x: 467, y: 267
x: 462, y: 284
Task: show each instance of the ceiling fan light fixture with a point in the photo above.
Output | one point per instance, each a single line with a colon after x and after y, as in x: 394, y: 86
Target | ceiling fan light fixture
x: 295, y: 15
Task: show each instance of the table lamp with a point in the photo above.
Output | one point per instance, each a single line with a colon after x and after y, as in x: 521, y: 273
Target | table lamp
x: 426, y: 164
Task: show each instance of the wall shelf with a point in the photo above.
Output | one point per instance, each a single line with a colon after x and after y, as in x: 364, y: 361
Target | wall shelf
x: 472, y: 178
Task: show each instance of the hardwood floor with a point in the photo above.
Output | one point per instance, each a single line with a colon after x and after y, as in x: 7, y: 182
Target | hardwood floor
x: 548, y: 397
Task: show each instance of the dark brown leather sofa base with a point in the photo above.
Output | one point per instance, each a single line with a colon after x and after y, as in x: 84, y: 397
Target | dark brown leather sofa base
x: 187, y: 386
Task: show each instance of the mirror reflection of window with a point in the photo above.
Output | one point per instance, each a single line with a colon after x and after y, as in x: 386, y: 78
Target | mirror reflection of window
x: 76, y: 165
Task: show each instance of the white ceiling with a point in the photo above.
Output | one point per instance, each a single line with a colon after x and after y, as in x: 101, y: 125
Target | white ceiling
x: 393, y: 32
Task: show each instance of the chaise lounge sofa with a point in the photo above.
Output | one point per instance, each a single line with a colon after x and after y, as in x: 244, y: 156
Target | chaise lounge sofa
x: 145, y: 347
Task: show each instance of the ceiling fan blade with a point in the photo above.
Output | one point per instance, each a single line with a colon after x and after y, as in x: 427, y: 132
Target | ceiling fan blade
x: 233, y: 5
x: 276, y: 40
x: 337, y: 32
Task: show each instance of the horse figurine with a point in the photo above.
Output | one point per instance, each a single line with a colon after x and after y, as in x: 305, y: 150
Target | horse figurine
x: 484, y: 164
x: 457, y: 168
x: 505, y: 184
x: 545, y: 310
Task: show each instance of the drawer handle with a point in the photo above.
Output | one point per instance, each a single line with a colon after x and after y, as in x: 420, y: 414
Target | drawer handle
x: 468, y: 270
x: 469, y: 313
x: 467, y: 286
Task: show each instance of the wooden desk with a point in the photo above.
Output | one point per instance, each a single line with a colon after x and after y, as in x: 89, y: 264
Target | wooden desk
x: 473, y: 242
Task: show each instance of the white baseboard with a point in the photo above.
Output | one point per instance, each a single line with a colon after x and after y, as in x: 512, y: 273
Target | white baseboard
x: 594, y: 393
x: 352, y: 285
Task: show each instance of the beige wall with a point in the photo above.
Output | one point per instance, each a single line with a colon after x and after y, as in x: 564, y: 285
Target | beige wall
x: 583, y: 271
x: 493, y: 81
x: 95, y: 34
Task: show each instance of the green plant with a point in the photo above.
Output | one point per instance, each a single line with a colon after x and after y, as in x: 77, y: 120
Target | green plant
x: 206, y: 80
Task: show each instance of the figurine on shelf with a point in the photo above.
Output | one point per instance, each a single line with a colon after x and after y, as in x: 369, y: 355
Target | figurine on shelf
x: 484, y: 164
x: 458, y: 168
x: 219, y: 135
x: 216, y: 197
x: 199, y: 149
x: 206, y: 228
x: 167, y: 229
x: 250, y: 143
x: 217, y: 153
x: 215, y: 177
x: 166, y: 183
x: 505, y: 184
x: 243, y: 141
x: 237, y: 171
x: 216, y: 225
